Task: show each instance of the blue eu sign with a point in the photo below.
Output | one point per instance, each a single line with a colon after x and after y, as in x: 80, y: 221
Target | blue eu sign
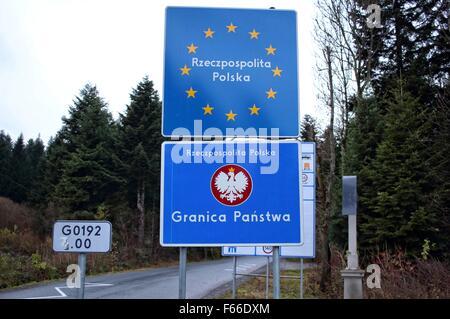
x: 233, y: 193
x: 232, y: 69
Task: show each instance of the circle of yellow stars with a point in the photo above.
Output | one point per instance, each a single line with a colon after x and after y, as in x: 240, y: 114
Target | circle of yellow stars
x: 209, y: 34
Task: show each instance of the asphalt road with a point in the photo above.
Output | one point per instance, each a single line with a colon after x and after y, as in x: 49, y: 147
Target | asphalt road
x: 202, y: 278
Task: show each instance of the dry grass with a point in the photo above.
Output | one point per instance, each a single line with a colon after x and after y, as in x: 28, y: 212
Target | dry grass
x: 401, y: 278
x: 406, y: 279
x: 27, y: 257
x: 255, y: 288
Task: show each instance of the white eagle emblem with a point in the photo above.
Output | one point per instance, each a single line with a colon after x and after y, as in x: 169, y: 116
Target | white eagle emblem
x: 231, y: 186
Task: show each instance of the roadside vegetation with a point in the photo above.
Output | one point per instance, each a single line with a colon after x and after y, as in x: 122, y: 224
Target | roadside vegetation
x: 27, y: 256
x: 255, y: 288
x: 401, y: 277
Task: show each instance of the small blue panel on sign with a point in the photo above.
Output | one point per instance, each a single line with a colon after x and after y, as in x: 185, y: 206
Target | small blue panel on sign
x: 230, y: 68
x: 216, y: 194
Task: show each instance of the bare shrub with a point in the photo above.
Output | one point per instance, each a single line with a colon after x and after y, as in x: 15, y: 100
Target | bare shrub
x: 410, y: 279
x: 401, y: 277
x: 14, y: 216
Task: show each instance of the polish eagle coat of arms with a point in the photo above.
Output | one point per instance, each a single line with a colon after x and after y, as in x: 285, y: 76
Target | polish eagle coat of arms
x: 231, y: 185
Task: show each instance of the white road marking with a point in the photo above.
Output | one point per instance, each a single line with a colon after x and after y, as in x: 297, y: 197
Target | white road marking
x: 94, y: 284
x: 58, y: 289
x: 63, y: 295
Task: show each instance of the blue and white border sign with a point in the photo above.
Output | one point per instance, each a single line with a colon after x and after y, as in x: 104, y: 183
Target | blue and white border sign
x: 231, y: 193
x: 308, y: 247
x: 230, y: 72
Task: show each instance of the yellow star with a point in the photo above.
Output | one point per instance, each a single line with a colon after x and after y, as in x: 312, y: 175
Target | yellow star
x: 191, y: 92
x: 231, y: 27
x: 209, y: 33
x: 185, y: 70
x: 271, y: 94
x: 270, y: 50
x: 231, y: 116
x: 254, y: 110
x: 277, y: 71
x: 192, y: 48
x: 207, y: 109
x: 254, y: 34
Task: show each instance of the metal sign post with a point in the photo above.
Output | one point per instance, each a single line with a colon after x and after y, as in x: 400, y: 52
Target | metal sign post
x: 82, y: 265
x: 82, y: 237
x: 267, y: 277
x: 234, y: 277
x: 301, y: 278
x: 352, y: 256
x: 276, y: 272
x: 182, y: 274
x: 352, y: 274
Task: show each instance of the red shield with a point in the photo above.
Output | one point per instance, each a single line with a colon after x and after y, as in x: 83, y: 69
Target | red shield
x: 231, y: 185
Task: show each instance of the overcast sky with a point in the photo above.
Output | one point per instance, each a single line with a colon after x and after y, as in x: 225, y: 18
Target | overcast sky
x: 50, y: 48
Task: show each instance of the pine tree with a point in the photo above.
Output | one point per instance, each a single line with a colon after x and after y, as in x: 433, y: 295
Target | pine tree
x: 364, y: 134
x: 140, y: 169
x: 88, y: 164
x: 396, y: 201
x: 140, y: 140
x: 438, y: 162
x: 6, y: 146
x: 410, y: 49
x: 19, y: 169
x: 34, y: 152
x: 396, y: 144
x: 309, y: 129
x: 413, y: 46
x: 50, y: 171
